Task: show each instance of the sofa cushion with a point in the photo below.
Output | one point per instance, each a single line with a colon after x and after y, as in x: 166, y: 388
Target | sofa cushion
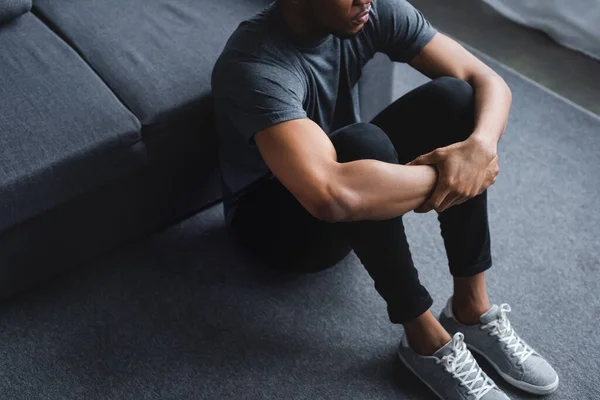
x: 156, y: 55
x: 62, y: 131
x: 11, y: 9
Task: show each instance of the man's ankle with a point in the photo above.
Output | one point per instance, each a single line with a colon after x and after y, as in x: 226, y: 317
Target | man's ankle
x: 426, y: 335
x: 467, y: 312
x: 470, y: 299
x: 427, y: 346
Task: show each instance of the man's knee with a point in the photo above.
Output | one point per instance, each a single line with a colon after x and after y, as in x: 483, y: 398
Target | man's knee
x: 363, y: 141
x: 458, y: 95
x: 456, y: 99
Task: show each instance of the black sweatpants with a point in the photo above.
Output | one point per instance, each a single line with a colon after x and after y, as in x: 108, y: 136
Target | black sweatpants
x: 274, y: 226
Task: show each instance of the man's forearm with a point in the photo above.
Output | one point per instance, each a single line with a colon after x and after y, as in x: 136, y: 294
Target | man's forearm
x: 493, y: 99
x: 399, y: 189
x: 374, y: 190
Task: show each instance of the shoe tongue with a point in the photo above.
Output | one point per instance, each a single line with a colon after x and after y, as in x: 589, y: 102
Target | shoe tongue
x: 491, y: 315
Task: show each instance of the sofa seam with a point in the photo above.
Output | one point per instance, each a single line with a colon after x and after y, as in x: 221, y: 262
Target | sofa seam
x: 71, y: 44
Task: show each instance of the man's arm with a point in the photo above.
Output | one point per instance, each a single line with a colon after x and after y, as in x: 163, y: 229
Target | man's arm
x: 445, y: 57
x: 463, y: 166
x: 303, y: 158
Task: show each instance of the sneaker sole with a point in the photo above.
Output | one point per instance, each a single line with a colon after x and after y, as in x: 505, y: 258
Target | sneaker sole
x: 527, y: 387
x: 417, y: 375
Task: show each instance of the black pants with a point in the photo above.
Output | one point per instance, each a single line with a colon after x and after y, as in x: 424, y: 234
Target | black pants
x: 273, y: 224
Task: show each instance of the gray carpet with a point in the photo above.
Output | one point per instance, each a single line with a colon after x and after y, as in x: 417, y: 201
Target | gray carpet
x: 187, y: 315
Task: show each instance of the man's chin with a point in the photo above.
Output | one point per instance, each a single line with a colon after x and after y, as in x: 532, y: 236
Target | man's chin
x: 348, y: 34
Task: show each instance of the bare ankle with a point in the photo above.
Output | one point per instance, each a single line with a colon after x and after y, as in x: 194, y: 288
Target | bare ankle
x: 470, y: 299
x: 426, y: 335
x: 468, y: 315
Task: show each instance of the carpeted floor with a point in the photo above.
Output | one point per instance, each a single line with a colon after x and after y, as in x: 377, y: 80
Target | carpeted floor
x: 187, y: 315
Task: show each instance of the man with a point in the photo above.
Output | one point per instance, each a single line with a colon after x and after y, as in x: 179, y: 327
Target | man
x: 305, y: 182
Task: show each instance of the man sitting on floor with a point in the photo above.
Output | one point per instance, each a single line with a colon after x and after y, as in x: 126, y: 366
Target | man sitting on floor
x: 305, y: 182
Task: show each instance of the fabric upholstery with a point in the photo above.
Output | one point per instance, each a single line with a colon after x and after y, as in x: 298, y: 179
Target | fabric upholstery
x: 62, y: 131
x: 156, y: 55
x: 90, y: 225
x: 11, y: 9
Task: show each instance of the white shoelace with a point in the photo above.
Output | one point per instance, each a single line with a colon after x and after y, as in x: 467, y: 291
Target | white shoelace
x: 502, y: 328
x: 461, y: 364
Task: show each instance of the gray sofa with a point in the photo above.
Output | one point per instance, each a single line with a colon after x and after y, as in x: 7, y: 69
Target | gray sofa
x: 106, y: 129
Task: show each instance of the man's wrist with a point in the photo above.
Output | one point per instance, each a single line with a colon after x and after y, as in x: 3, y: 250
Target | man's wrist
x: 437, y: 177
x: 486, y: 143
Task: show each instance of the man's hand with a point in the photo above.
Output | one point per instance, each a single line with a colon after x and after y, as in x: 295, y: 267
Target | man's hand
x: 466, y: 169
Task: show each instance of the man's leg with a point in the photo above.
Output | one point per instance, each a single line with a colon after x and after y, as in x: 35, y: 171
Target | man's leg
x: 436, y: 115
x: 272, y: 216
x: 383, y: 248
x: 276, y: 227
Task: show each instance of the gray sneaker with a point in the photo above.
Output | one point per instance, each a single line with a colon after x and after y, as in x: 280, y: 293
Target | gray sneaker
x: 496, y: 341
x: 451, y: 373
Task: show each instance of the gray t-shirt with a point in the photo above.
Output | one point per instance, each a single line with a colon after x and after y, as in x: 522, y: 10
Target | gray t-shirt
x: 266, y: 75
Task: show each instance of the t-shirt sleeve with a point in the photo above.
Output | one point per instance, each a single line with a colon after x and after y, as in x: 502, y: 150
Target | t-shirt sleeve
x: 254, y: 96
x: 401, y: 31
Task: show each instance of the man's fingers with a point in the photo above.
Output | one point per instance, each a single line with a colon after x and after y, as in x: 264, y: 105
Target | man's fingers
x: 435, y: 200
x: 424, y: 208
x: 421, y: 160
x: 494, y: 161
x: 420, y: 210
x: 426, y: 159
x: 448, y: 202
x: 460, y: 201
x: 437, y: 204
x: 457, y: 201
